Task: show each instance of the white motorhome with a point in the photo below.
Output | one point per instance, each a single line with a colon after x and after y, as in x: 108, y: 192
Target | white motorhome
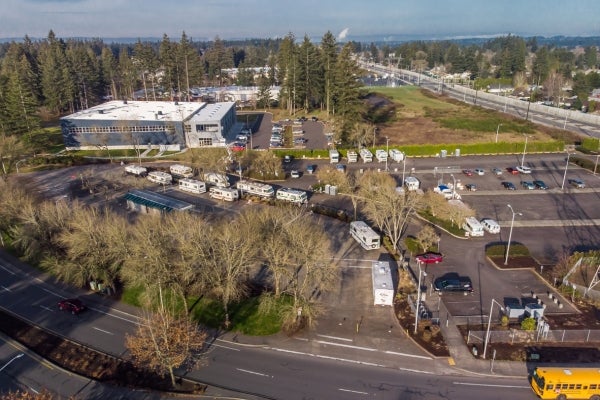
x: 381, y: 155
x: 223, y: 193
x: 490, y: 225
x: 352, y: 156
x: 163, y: 178
x: 136, y: 170
x: 181, y: 171
x: 192, y: 185
x: 412, y: 183
x: 383, y: 285
x: 256, y: 188
x: 473, y: 226
x: 366, y: 155
x: 334, y: 156
x: 363, y: 234
x: 216, y: 179
x: 292, y: 195
x: 396, y: 155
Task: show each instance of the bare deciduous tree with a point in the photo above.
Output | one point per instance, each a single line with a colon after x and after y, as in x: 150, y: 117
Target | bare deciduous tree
x: 164, y: 342
x: 427, y: 237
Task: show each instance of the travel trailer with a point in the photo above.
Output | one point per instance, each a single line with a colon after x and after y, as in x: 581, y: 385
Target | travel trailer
x: 256, y: 188
x: 163, y: 178
x: 136, y: 170
x: 192, y: 186
x: 292, y: 195
x: 181, y: 171
x: 363, y: 234
x: 222, y: 193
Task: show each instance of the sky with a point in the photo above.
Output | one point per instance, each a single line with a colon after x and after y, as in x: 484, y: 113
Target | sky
x: 346, y: 19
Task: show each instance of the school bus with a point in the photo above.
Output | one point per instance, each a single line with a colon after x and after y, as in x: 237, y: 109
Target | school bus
x: 563, y: 383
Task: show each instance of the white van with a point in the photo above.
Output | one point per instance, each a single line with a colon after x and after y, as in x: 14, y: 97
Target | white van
x: 490, y: 225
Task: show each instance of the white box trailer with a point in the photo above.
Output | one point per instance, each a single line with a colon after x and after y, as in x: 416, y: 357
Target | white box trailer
x: 363, y: 234
x: 181, y: 171
x: 216, y: 179
x: 352, y: 156
x: 192, y: 186
x: 292, y: 195
x: 366, y: 155
x: 381, y: 155
x: 222, y: 193
x: 473, y: 226
x: 412, y: 183
x: 256, y: 188
x: 383, y: 284
x: 163, y: 178
x: 136, y: 170
x: 334, y: 156
x: 396, y: 155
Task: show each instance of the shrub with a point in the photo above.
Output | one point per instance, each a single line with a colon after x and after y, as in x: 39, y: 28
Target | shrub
x: 528, y: 324
x: 504, y: 320
x: 427, y: 334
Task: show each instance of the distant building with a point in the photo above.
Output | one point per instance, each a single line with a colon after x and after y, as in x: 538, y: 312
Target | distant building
x: 149, y: 124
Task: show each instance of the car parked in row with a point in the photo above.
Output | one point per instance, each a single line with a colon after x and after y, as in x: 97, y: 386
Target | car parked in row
x: 578, y: 183
x: 509, y: 185
x: 540, y: 184
x: 468, y: 172
x: 523, y: 169
x: 449, y: 283
x: 497, y: 171
x: 528, y: 185
x: 471, y: 187
x: 311, y: 169
x: 479, y: 171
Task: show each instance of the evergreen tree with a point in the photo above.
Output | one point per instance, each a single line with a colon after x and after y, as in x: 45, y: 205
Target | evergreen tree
x: 328, y: 62
x: 346, y: 91
x: 309, y: 74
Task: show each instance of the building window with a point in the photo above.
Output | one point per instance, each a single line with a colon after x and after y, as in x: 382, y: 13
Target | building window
x: 204, y: 142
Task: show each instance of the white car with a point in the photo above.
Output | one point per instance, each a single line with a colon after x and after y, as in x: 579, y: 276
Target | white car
x: 295, y: 174
x: 479, y: 171
x: 523, y: 169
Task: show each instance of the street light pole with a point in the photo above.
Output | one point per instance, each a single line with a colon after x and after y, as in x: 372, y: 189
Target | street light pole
x: 562, y: 187
x: 403, y: 166
x: 387, y: 152
x: 487, y: 334
x: 11, y: 360
x: 418, y: 303
x: 453, y: 186
x: 524, y: 149
x: 510, y: 233
x: 497, y: 130
x: 595, y: 165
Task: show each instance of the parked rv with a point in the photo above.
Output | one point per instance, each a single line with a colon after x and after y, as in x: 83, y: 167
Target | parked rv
x: 334, y: 156
x: 412, y: 183
x: 490, y: 225
x: 363, y: 234
x: 396, y: 155
x: 256, y: 188
x: 223, y: 193
x: 181, y: 171
x: 136, y: 170
x: 163, y: 178
x: 381, y: 155
x: 473, y: 226
x: 192, y: 186
x: 352, y: 156
x: 366, y: 155
x: 383, y: 283
x: 216, y: 179
x: 292, y: 195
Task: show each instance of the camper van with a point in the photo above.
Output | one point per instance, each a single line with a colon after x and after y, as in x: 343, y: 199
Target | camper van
x: 292, y: 195
x: 381, y: 155
x: 363, y: 234
x: 396, y: 155
x: 334, y: 156
x: 216, y: 179
x: 160, y: 177
x: 490, y: 225
x: 136, y: 170
x: 352, y: 156
x: 366, y: 155
x: 222, y: 193
x: 473, y: 227
x: 192, y: 186
x: 181, y: 171
x: 256, y: 188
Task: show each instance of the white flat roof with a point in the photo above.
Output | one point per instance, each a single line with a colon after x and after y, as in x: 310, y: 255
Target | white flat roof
x: 139, y: 110
x: 214, y: 111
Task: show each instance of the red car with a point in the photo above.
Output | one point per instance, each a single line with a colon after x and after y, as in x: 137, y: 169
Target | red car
x: 512, y: 170
x: 238, y: 147
x: 74, y: 306
x: 430, y: 258
x: 467, y: 172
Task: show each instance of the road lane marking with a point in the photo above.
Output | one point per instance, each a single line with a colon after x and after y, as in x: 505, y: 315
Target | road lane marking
x: 254, y: 372
x: 326, y: 357
x: 220, y: 345
x: 102, y: 330
x: 407, y: 355
x: 7, y: 289
x: 53, y: 293
x: 351, y: 391
x: 335, y: 337
x: 490, y: 385
x: 112, y: 315
x: 47, y: 308
x: 345, y: 345
x: 7, y: 270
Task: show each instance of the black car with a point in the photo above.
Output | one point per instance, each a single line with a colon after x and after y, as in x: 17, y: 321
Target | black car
x: 458, y: 284
x: 509, y: 186
x: 540, y: 185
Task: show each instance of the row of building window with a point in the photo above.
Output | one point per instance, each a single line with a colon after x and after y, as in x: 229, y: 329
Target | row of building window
x: 120, y: 129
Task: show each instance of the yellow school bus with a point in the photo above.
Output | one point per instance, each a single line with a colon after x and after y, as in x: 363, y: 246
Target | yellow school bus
x: 563, y: 383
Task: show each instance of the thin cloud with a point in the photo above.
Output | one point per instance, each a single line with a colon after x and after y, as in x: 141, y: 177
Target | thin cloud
x: 342, y: 35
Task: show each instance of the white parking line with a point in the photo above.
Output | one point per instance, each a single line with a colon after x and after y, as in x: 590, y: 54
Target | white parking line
x: 335, y: 337
x: 254, y: 373
x: 407, y: 355
x: 47, y: 308
x: 345, y: 345
x: 351, y: 391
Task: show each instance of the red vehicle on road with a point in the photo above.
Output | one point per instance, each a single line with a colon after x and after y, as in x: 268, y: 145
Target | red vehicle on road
x: 430, y: 258
x: 74, y: 306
